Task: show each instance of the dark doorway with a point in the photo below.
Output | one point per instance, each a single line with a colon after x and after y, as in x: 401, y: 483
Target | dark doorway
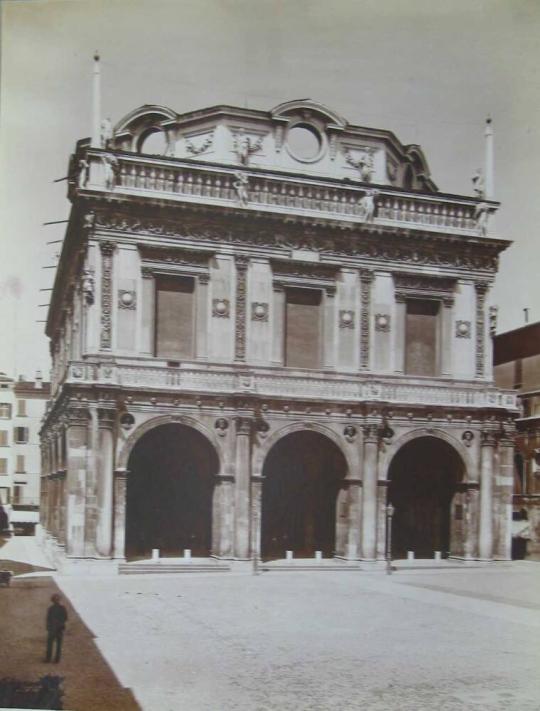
x: 423, y: 480
x: 169, y: 493
x: 303, y: 474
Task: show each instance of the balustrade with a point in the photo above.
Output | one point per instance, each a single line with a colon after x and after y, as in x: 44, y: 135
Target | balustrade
x: 215, y: 184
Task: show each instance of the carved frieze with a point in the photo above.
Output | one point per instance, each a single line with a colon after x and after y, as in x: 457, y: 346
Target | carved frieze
x: 424, y: 285
x: 419, y: 250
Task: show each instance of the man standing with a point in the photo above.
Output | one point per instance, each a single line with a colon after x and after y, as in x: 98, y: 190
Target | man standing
x: 56, y: 622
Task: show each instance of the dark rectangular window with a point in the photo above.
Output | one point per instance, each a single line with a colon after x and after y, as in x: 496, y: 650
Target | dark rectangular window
x: 3, y: 438
x: 21, y: 435
x: 174, y: 317
x: 303, y: 342
x: 421, y: 337
x: 3, y: 466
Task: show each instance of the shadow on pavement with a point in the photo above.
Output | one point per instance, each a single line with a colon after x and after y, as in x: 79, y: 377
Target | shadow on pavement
x: 88, y: 681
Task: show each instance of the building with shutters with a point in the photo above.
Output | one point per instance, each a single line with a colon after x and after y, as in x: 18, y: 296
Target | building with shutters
x: 265, y: 327
x: 22, y: 405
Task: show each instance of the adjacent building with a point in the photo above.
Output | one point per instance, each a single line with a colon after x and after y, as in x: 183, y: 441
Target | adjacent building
x: 22, y: 406
x: 266, y: 326
x: 517, y: 365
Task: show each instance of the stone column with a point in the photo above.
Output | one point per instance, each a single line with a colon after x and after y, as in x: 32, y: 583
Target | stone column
x: 105, y: 468
x: 369, y: 493
x: 256, y: 515
x: 222, y: 517
x: 75, y: 485
x: 354, y: 490
x: 241, y: 488
x: 504, y: 493
x: 119, y: 522
x: 485, y: 533
x: 446, y: 337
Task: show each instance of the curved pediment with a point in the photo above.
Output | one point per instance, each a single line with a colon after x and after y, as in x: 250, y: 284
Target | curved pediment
x: 307, y: 109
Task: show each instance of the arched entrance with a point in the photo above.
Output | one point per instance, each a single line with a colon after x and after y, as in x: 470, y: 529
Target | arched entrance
x: 303, y: 474
x: 170, y: 484
x: 423, y: 480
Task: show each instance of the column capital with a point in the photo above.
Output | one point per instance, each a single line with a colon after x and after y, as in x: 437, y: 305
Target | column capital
x: 371, y: 432
x: 106, y: 416
x: 244, y: 425
x: 77, y: 415
x: 488, y: 438
x: 107, y: 247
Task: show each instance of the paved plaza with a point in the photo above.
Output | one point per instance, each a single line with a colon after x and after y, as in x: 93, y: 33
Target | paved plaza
x: 419, y: 640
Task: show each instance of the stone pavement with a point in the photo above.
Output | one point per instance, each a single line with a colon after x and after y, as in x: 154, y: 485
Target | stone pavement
x: 451, y: 640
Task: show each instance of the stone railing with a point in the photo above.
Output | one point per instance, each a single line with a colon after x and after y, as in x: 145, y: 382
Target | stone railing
x: 313, y: 197
x: 280, y: 383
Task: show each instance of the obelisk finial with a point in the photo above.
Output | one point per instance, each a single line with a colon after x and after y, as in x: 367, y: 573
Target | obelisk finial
x: 96, y: 103
x: 489, y: 178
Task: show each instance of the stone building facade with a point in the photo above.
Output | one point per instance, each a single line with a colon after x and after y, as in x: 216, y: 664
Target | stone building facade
x: 265, y: 327
x: 516, y: 361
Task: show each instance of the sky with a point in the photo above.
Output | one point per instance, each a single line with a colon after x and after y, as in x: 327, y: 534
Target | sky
x: 429, y: 70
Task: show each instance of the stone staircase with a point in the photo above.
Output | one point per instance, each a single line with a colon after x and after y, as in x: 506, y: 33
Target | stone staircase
x: 145, y: 567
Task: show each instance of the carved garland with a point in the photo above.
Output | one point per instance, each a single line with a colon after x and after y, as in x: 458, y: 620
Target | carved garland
x: 481, y: 288
x: 366, y: 277
x: 240, y: 326
x: 107, y: 249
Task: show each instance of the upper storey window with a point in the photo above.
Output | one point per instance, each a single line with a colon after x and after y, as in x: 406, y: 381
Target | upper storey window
x: 175, y: 303
x: 153, y: 143
x: 422, y: 337
x: 303, y: 328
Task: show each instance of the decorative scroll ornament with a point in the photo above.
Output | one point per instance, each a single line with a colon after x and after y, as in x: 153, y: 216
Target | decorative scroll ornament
x: 197, y: 150
x: 245, y: 145
x: 363, y: 162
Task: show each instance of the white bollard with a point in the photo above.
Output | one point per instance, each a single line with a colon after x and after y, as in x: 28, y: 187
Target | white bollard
x: 155, y: 553
x: 438, y: 555
x: 410, y: 555
x: 289, y: 555
x: 318, y: 555
x: 187, y: 554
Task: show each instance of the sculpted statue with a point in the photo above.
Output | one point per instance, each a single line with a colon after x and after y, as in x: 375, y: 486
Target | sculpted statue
x: 367, y: 205
x: 481, y: 215
x: 245, y: 147
x: 240, y: 185
x: 84, y: 171
x: 111, y: 171
x: 364, y: 164
x: 106, y: 132
x: 478, y: 183
x: 88, y: 286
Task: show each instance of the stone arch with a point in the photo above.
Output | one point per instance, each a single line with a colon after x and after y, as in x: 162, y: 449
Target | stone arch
x: 394, y: 448
x: 151, y: 424
x: 143, y: 116
x: 300, y: 105
x: 259, y: 459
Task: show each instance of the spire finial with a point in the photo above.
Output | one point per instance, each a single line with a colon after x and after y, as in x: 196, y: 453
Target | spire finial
x: 489, y: 177
x: 96, y: 103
